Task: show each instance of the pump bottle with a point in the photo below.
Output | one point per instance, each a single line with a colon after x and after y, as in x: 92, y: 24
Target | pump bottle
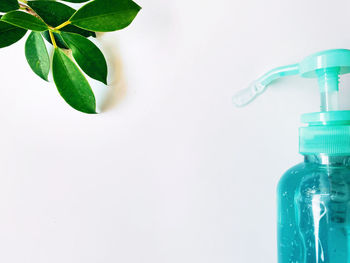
x: 314, y: 196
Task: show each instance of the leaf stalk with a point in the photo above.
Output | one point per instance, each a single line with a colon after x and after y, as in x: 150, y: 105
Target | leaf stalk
x: 62, y: 25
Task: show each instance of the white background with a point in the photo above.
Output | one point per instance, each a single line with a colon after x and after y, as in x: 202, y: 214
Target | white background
x: 171, y: 172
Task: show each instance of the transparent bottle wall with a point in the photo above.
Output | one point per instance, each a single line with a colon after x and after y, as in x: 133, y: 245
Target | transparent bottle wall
x: 314, y: 211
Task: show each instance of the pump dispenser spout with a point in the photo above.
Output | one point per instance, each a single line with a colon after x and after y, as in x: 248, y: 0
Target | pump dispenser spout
x: 328, y: 131
x: 259, y: 86
x: 326, y: 66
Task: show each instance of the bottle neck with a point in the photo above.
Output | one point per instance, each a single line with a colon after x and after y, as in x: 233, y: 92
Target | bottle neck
x: 328, y: 160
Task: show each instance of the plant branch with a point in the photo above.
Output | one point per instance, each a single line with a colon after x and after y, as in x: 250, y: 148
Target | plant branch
x: 62, y: 25
x: 53, y: 40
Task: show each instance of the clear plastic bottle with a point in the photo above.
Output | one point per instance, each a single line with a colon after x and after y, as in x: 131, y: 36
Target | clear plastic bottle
x: 314, y: 211
x: 314, y: 196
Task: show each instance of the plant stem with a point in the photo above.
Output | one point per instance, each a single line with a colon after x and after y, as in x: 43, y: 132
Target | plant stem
x: 62, y: 25
x: 53, y: 39
x: 28, y: 9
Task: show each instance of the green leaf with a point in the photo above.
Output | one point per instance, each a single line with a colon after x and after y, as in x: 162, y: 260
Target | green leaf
x: 24, y: 20
x: 8, y: 5
x: 10, y: 34
x: 37, y: 56
x: 55, y: 13
x: 105, y: 15
x: 71, y: 83
x: 88, y: 56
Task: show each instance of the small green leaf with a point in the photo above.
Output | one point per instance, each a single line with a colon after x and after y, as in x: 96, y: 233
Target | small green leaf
x: 37, y: 56
x: 71, y: 83
x: 24, y: 20
x: 88, y: 56
x: 8, y: 5
x: 55, y: 13
x: 10, y: 34
x: 105, y: 15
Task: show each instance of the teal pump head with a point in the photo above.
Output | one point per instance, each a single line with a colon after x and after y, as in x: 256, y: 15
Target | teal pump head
x: 328, y: 131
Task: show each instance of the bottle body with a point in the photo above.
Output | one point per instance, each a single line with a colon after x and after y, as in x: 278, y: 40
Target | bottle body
x: 314, y: 211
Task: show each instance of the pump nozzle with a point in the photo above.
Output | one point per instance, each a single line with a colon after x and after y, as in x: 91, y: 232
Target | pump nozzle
x: 326, y: 66
x: 256, y: 88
